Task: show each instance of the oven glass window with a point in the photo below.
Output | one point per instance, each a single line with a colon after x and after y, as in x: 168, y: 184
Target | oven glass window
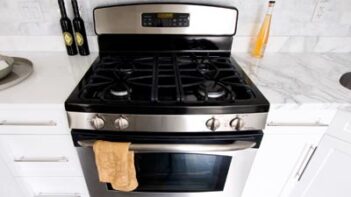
x: 178, y: 172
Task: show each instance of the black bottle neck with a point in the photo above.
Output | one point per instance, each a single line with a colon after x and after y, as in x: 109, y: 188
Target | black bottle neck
x: 75, y: 9
x: 62, y: 8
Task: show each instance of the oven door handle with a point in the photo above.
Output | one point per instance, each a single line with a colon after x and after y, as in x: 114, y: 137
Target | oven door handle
x: 237, y: 145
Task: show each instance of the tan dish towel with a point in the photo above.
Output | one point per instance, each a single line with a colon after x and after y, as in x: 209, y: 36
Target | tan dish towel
x: 115, y: 164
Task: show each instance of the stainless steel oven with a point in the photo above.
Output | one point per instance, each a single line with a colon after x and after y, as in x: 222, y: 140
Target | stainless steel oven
x: 166, y: 82
x: 177, y: 165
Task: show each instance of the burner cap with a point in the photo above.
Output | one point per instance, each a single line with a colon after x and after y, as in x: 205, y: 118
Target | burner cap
x: 125, y: 71
x: 213, y: 89
x: 206, y: 69
x: 119, y: 90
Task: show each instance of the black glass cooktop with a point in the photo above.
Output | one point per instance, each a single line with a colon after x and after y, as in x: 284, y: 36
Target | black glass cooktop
x: 167, y: 83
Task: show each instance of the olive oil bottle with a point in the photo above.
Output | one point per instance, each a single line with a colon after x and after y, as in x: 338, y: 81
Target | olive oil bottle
x: 79, y: 28
x: 67, y: 30
x: 263, y: 35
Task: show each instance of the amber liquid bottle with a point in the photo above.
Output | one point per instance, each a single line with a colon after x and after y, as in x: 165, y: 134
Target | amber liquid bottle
x: 262, y: 37
x: 79, y: 28
x: 67, y: 30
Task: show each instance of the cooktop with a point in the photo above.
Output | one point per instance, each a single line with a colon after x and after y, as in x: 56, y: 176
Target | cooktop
x: 171, y: 83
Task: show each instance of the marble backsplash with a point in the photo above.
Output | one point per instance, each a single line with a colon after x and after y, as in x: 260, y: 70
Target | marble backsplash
x: 297, y: 25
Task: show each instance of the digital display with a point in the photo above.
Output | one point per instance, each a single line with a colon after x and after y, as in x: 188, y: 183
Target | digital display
x: 165, y: 15
x: 165, y: 19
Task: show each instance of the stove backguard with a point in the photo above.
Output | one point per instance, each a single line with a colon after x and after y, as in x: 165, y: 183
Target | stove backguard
x: 165, y: 27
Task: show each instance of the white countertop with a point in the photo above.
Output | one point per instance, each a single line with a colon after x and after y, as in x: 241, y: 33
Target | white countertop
x: 300, y: 80
x: 294, y: 79
x: 54, y: 77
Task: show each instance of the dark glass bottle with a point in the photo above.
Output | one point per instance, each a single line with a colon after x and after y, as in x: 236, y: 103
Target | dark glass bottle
x: 79, y: 28
x: 67, y: 30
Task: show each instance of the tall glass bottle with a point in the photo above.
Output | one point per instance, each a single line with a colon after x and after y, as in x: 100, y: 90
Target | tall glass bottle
x: 67, y: 30
x: 262, y: 37
x: 79, y: 28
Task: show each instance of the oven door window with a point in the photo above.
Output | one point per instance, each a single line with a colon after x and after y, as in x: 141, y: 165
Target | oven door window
x: 181, y: 172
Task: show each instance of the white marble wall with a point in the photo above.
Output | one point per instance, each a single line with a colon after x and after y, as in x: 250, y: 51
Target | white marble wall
x: 297, y: 26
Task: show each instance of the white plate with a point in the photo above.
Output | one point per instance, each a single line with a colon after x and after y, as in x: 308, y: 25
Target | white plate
x: 6, y: 66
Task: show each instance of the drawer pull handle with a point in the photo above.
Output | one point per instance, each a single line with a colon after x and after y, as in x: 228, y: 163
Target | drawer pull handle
x: 43, y: 160
x: 306, y: 160
x: 298, y: 124
x: 57, y: 195
x: 50, y: 123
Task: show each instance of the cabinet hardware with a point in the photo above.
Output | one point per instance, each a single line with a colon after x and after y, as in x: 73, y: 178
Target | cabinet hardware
x: 306, y: 160
x: 297, y: 124
x: 56, y: 195
x: 44, y: 123
x: 42, y: 159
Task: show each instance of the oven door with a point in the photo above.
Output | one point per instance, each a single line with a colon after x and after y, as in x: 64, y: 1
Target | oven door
x: 166, y: 168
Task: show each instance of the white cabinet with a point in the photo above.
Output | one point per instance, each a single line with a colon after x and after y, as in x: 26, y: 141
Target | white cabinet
x: 9, y: 186
x: 329, y: 171
x: 279, y: 161
x: 37, y: 151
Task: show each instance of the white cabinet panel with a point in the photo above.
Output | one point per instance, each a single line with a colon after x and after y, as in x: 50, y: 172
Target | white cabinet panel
x: 39, y: 155
x: 279, y: 159
x: 328, y: 173
x: 53, y: 186
x: 341, y: 126
x: 34, y: 119
x: 290, y: 116
x: 9, y: 186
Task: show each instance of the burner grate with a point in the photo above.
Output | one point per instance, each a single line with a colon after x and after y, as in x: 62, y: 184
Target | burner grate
x: 165, y: 79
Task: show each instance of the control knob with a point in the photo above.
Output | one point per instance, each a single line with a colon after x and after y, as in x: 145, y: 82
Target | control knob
x: 212, y: 124
x: 97, y: 122
x: 121, y: 123
x: 237, y: 123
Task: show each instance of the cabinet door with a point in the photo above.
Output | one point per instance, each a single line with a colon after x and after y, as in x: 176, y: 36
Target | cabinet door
x: 329, y: 173
x: 8, y: 184
x: 279, y: 158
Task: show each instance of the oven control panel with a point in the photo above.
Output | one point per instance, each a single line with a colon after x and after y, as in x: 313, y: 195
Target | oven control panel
x: 167, y: 123
x: 165, y: 19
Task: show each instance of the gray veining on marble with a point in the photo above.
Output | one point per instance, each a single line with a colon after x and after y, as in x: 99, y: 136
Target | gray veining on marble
x: 300, y: 78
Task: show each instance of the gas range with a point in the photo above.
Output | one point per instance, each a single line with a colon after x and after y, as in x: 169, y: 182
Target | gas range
x: 166, y: 83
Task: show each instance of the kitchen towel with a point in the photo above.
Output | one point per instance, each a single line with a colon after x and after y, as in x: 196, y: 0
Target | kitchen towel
x: 115, y: 165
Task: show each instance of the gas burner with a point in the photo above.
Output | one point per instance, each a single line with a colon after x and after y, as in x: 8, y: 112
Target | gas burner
x: 212, y: 90
x: 126, y: 71
x: 207, y: 69
x: 119, y: 90
x: 123, y: 73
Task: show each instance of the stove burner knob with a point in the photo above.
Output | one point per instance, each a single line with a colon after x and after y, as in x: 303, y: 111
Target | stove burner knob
x: 237, y: 123
x: 97, y: 122
x: 121, y: 123
x: 212, y: 124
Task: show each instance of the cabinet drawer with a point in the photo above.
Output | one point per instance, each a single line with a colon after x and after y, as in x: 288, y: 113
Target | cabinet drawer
x: 40, y: 155
x: 36, y: 119
x: 55, y: 187
x: 300, y: 117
